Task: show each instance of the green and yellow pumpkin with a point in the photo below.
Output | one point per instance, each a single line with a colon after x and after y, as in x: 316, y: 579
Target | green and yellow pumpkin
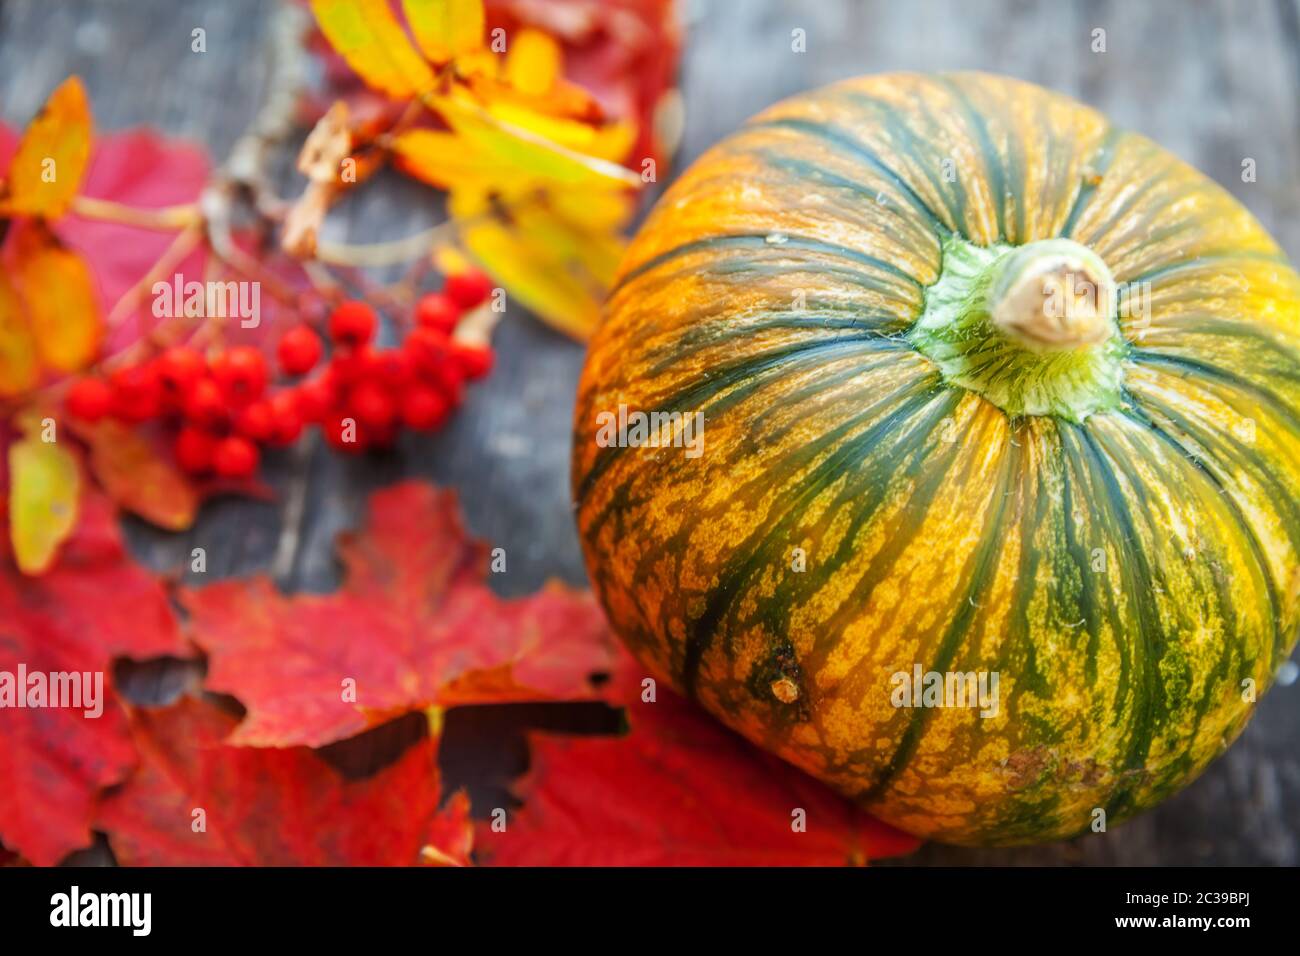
x: 988, y: 386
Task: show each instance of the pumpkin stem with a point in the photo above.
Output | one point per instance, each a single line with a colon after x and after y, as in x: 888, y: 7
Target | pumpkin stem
x: 1031, y: 328
x: 1052, y: 296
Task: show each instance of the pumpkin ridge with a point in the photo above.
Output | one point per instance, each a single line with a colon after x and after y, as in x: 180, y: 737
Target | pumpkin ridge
x: 1244, y: 526
x: 701, y: 632
x: 735, y: 375
x: 981, y: 561
x: 922, y: 495
x: 840, y: 140
x: 760, y: 240
x: 1147, y: 713
x: 988, y: 155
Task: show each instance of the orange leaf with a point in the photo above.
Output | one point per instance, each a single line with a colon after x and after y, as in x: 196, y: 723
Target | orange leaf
x: 58, y: 290
x: 446, y: 29
x: 367, y: 35
x: 138, y: 478
x: 44, y: 487
x: 19, y: 368
x: 51, y: 159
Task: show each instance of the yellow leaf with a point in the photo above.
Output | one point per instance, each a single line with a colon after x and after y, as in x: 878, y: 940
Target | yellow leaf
x: 609, y: 141
x: 446, y: 29
x: 367, y: 35
x: 532, y: 153
x: 58, y: 293
x: 449, y: 161
x: 19, y: 367
x: 138, y: 478
x: 44, y: 487
x: 47, y: 169
x: 556, y: 266
x: 534, y: 62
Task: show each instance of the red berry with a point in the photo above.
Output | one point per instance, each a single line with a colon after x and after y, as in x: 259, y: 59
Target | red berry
x: 287, y: 418
x: 469, y: 288
x: 371, y: 405
x: 89, y: 399
x: 240, y: 373
x: 235, y: 457
x: 353, y: 324
x: 473, y: 361
x: 437, y: 311
x: 349, y: 367
x: 204, y: 405
x: 194, y: 449
x: 256, y: 421
x: 299, y: 350
x: 315, y: 398
x: 137, y: 395
x: 449, y: 380
x: 423, y: 407
x: 178, y: 369
x: 429, y: 351
x: 392, y: 368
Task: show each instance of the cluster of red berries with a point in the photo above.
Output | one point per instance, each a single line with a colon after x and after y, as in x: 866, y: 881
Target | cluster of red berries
x: 361, y: 398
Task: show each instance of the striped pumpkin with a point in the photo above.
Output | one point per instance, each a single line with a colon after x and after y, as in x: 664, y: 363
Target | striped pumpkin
x: 989, y: 387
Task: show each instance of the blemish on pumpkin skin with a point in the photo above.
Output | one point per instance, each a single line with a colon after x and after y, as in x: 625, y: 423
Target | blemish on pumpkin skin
x: 785, y: 690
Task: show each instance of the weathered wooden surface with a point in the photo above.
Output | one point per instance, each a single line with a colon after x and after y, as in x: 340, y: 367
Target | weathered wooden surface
x: 1215, y: 82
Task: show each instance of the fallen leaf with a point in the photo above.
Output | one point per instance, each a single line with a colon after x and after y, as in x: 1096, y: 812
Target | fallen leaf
x: 196, y: 801
x: 451, y: 839
x: 522, y: 141
x: 447, y: 161
x: 623, y: 53
x: 445, y: 29
x: 140, y: 476
x: 58, y: 296
x: 678, y: 789
x: 47, y: 169
x: 44, y: 488
x: 19, y: 366
x: 412, y: 627
x: 92, y: 606
x: 558, y: 266
x: 367, y: 35
x: 534, y: 62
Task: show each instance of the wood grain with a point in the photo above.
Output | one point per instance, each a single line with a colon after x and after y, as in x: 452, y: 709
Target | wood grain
x: 1216, y: 82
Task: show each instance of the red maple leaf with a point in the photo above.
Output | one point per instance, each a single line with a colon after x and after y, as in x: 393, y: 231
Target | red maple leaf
x: 197, y: 801
x: 678, y: 790
x: 92, y: 606
x: 413, y: 626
